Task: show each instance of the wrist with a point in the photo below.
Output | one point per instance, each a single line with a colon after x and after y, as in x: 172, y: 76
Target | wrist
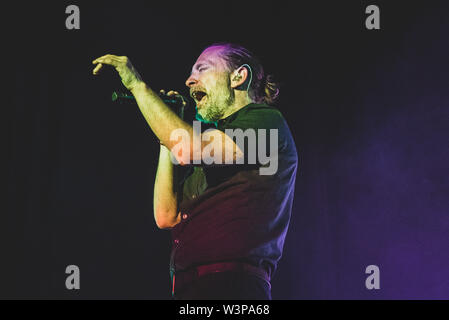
x: 138, y: 87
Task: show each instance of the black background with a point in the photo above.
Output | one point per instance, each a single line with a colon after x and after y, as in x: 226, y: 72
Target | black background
x: 367, y: 108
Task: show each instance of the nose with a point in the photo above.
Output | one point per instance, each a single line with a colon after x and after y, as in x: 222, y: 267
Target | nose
x: 191, y: 81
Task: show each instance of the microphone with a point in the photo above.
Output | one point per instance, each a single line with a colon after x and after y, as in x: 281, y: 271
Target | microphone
x: 173, y: 101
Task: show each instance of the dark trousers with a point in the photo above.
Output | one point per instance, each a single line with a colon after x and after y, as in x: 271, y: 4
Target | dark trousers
x: 226, y: 286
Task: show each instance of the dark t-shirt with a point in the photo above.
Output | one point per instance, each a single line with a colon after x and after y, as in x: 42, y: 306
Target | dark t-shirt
x: 233, y: 212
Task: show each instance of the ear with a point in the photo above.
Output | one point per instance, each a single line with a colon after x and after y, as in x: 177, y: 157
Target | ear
x: 238, y: 77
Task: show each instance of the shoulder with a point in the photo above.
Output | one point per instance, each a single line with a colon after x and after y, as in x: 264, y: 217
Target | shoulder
x: 260, y: 115
x: 261, y: 110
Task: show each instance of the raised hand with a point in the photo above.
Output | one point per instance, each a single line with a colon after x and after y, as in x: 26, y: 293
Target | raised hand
x: 129, y: 75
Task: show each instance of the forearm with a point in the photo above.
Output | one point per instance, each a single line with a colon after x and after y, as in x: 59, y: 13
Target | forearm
x: 164, y: 198
x: 187, y: 143
x: 161, y: 119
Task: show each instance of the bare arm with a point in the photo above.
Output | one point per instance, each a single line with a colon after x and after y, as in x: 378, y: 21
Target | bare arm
x: 164, y: 200
x: 163, y: 121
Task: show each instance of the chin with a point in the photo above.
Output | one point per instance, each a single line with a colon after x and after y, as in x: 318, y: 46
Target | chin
x: 203, y: 114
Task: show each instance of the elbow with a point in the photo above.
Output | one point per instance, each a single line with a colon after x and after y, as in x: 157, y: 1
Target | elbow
x: 164, y: 223
x: 185, y: 154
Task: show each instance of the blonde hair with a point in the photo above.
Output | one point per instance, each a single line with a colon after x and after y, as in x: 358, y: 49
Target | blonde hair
x: 263, y: 88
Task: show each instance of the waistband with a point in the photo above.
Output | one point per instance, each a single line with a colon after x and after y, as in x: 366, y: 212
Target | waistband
x: 182, y: 278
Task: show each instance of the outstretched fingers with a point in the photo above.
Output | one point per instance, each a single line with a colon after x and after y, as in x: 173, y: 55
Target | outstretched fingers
x: 97, y: 68
x: 108, y: 59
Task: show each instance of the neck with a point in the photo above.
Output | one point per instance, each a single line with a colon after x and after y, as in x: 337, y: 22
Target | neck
x: 241, y: 100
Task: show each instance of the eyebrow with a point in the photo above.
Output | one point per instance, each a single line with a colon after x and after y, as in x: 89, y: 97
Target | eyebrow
x: 207, y: 62
x: 199, y: 66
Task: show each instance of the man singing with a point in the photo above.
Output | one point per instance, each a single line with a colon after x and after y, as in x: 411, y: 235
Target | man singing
x: 229, y: 213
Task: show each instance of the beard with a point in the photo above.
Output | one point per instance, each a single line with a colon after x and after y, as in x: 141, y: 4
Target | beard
x: 218, y: 101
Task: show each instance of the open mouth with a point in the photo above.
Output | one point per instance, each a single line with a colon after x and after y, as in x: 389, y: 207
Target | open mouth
x: 198, y: 96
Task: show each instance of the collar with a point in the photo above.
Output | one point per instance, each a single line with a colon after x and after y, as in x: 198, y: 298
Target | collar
x: 232, y: 116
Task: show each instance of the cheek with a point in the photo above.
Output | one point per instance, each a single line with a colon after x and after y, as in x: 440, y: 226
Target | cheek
x: 216, y: 83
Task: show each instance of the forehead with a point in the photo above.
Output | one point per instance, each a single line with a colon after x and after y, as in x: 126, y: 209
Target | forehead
x: 211, y: 56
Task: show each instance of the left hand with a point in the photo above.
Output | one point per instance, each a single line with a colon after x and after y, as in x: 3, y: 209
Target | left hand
x: 129, y: 75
